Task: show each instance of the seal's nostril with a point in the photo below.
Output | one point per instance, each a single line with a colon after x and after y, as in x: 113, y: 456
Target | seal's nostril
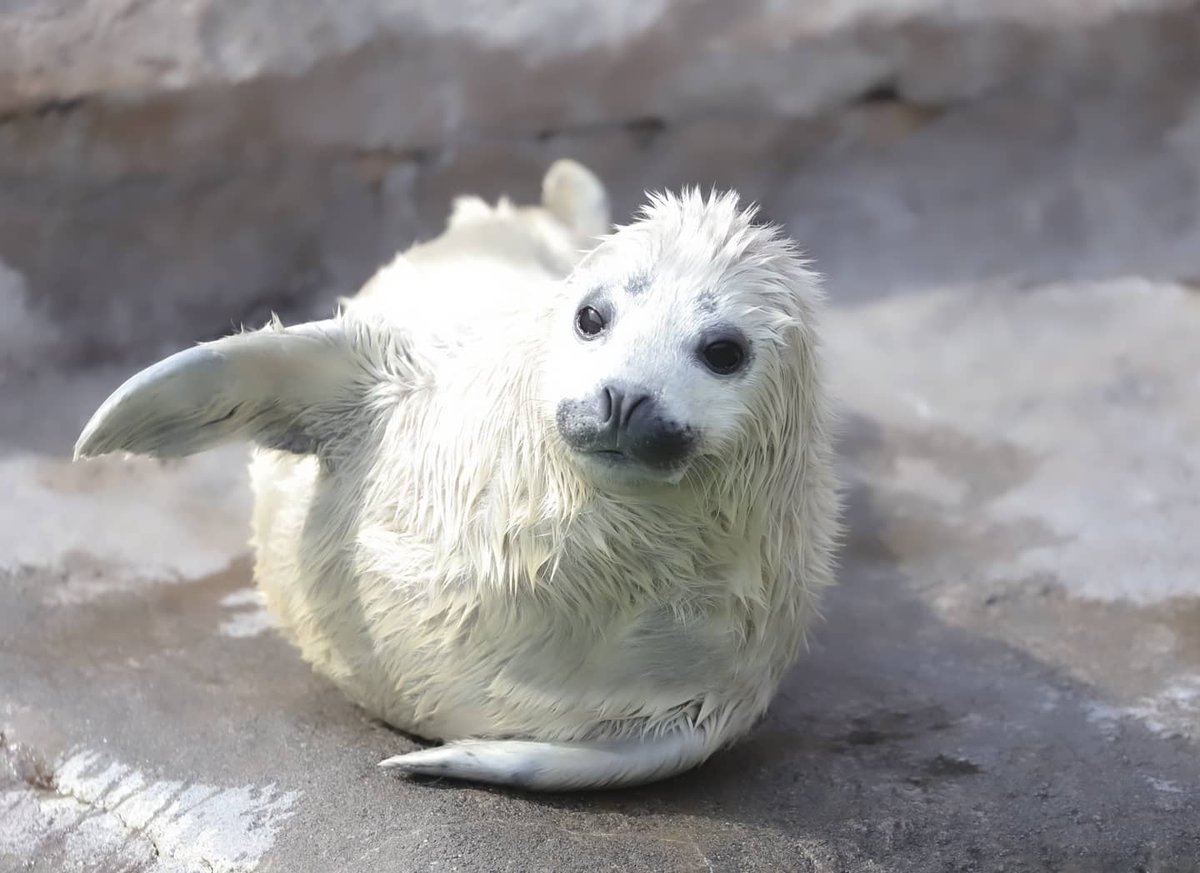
x: 630, y: 406
x: 620, y: 409
x: 610, y: 404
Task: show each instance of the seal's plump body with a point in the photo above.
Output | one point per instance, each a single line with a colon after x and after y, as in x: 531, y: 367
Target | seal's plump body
x: 563, y: 508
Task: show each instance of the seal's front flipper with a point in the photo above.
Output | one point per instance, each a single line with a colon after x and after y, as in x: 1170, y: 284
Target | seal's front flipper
x: 295, y: 389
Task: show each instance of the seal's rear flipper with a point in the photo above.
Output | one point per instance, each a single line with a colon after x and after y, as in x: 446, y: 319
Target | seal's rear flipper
x: 555, y: 766
x: 575, y: 196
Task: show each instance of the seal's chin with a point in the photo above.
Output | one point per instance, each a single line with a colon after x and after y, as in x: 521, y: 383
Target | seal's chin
x: 614, y: 467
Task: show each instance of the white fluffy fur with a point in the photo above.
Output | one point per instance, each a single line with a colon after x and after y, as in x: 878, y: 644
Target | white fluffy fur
x: 431, y: 544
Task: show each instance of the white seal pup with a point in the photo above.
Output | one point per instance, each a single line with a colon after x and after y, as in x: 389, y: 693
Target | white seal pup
x: 566, y: 512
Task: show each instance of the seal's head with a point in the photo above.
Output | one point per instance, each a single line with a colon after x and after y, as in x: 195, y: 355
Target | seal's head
x: 681, y: 337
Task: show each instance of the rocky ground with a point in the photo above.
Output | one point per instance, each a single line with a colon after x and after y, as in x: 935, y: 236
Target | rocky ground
x: 1006, y: 678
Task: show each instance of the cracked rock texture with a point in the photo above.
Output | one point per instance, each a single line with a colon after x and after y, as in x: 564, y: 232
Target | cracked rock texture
x: 168, y: 169
x: 1006, y: 200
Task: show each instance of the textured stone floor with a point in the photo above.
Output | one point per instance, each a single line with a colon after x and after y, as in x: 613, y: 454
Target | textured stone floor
x: 1006, y: 200
x: 1007, y: 678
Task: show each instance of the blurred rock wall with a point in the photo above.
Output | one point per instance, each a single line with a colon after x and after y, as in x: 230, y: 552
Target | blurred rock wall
x: 169, y: 169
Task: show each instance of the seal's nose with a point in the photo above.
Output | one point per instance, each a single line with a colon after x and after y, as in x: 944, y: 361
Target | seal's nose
x: 633, y: 421
x: 618, y: 406
x: 622, y: 422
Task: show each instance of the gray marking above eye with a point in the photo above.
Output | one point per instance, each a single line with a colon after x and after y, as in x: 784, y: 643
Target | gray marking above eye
x: 637, y: 285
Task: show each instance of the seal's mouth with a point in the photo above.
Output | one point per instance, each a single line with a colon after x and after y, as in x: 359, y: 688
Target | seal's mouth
x: 617, y: 461
x: 621, y: 458
x: 617, y: 466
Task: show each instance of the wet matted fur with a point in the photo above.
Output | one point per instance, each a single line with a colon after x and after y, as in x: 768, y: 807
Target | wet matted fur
x: 435, y: 537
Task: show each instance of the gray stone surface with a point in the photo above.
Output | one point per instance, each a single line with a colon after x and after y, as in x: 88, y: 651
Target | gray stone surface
x: 168, y: 169
x: 1006, y: 200
x: 1007, y: 677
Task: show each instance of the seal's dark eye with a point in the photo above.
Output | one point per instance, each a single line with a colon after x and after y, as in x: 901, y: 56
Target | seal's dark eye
x: 724, y: 357
x: 589, y: 322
